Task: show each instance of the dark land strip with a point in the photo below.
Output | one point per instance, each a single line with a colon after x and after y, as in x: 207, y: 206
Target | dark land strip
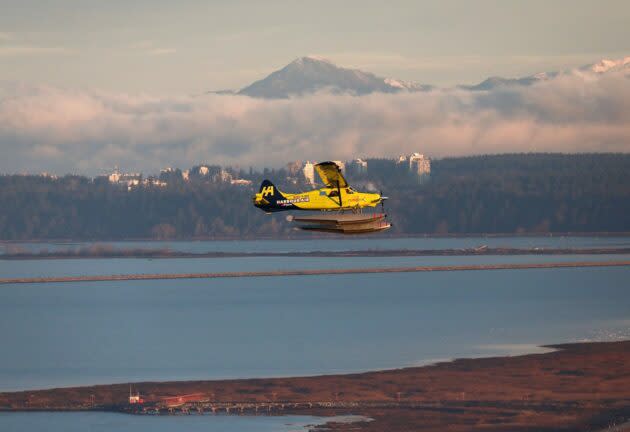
x: 581, y: 386
x: 108, y: 252
x: 313, y: 272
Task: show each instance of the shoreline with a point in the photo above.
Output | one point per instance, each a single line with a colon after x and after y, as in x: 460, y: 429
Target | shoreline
x: 96, y: 252
x: 532, y: 349
x: 576, y: 386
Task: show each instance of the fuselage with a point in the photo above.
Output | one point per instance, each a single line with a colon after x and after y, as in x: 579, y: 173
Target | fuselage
x: 270, y: 199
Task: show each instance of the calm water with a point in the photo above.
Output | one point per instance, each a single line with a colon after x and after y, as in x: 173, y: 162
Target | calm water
x: 337, y: 243
x: 108, y: 266
x: 103, y: 332
x: 98, y: 421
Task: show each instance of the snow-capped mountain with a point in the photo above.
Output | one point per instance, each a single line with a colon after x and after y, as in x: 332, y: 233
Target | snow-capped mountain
x: 605, y: 65
x: 312, y: 74
x: 601, y: 67
x: 307, y: 75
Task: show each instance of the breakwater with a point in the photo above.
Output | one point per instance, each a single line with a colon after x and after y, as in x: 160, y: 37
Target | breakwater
x: 311, y: 272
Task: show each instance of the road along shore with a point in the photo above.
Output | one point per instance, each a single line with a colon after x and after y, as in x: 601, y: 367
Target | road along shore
x: 581, y: 386
x: 312, y: 272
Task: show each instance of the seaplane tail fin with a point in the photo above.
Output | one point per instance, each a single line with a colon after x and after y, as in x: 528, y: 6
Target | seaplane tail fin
x: 270, y: 192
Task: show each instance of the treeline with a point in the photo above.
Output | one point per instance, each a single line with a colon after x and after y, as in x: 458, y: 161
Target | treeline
x: 519, y: 194
x: 516, y: 193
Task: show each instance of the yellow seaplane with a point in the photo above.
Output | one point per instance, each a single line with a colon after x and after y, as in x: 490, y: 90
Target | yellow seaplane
x: 336, y: 198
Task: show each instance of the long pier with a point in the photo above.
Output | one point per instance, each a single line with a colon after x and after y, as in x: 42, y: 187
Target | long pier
x: 262, y: 408
x: 312, y: 272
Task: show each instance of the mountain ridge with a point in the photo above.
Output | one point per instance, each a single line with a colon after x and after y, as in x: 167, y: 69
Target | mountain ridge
x: 312, y: 74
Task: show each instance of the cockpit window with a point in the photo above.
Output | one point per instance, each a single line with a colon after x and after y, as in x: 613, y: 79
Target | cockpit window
x: 333, y: 193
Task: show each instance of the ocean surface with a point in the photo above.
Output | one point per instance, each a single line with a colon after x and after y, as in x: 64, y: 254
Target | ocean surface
x: 128, y: 331
x: 109, y: 266
x: 333, y: 243
x: 103, y: 421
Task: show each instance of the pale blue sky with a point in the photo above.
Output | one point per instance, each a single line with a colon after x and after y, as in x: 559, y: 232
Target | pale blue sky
x: 154, y: 46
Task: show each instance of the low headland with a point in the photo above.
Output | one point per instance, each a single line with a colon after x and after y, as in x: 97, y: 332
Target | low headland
x: 578, y: 386
x: 107, y: 251
x: 310, y: 272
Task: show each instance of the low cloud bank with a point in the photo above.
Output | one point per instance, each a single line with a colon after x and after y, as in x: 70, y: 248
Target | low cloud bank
x: 58, y: 130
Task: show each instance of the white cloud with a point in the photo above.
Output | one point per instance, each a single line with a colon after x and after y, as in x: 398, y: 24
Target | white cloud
x: 13, y: 45
x: 150, y: 48
x: 46, y: 128
x: 161, y: 51
x: 27, y: 50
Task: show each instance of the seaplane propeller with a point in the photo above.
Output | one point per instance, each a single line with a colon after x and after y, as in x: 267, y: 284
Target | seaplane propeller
x: 383, y: 198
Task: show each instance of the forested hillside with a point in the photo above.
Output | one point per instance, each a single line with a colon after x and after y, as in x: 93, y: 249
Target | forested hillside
x: 520, y: 193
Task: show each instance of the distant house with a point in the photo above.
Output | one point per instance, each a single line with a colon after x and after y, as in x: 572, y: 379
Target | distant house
x: 114, y: 177
x: 357, y: 167
x: 241, y: 182
x: 130, y: 180
x: 152, y: 181
x: 299, y: 171
x: 205, y: 172
x: 222, y: 176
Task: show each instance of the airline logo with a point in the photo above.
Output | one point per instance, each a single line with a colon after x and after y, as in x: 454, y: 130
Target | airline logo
x: 267, y: 190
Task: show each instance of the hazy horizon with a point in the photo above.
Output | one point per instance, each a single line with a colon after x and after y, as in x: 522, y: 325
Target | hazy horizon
x: 192, y: 46
x: 85, y: 86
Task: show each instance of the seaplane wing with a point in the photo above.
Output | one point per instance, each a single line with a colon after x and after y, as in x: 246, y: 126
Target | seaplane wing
x: 331, y: 175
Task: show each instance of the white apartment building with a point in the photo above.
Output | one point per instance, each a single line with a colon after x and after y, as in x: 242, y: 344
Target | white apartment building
x: 419, y: 164
x: 309, y: 172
